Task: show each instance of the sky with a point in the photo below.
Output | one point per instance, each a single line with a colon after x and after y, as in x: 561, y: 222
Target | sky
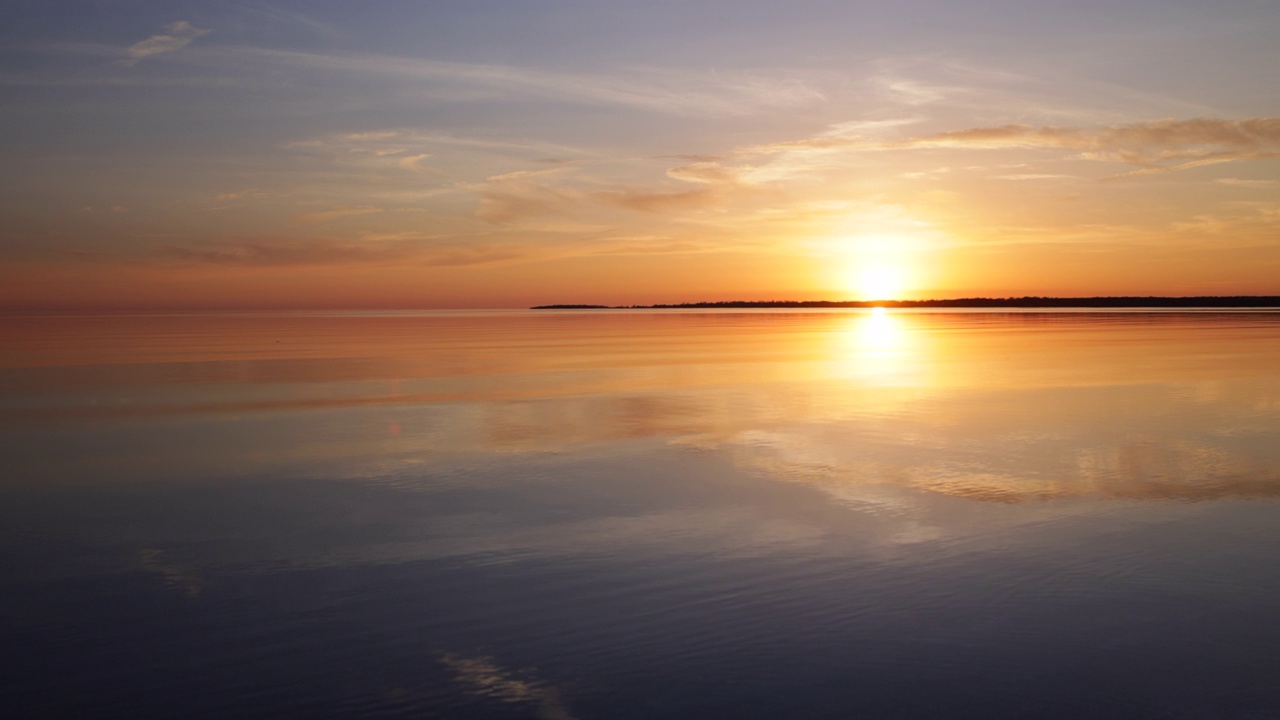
x: 191, y: 155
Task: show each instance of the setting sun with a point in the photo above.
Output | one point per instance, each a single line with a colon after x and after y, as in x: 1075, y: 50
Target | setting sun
x: 878, y: 282
x: 881, y: 265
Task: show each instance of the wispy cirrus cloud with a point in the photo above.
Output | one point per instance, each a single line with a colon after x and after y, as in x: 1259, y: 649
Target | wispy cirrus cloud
x: 680, y: 93
x: 1159, y: 144
x: 392, y: 151
x: 1246, y: 183
x: 269, y: 14
x: 322, y: 216
x: 514, y: 196
x: 658, y: 201
x: 1035, y: 176
x: 416, y: 163
x: 667, y: 91
x: 1155, y: 146
x: 714, y: 182
x: 177, y: 35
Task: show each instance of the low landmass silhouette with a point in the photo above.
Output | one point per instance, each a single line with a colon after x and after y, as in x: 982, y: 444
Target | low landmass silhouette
x: 1202, y: 301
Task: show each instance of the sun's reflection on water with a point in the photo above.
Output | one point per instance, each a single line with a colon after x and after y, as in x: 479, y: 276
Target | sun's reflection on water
x: 987, y: 406
x: 880, y: 348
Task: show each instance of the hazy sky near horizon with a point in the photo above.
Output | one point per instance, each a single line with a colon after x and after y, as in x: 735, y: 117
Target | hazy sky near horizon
x: 486, y: 154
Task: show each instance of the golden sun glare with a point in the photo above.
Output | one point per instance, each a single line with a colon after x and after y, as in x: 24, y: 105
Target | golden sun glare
x: 878, y: 282
x: 873, y: 266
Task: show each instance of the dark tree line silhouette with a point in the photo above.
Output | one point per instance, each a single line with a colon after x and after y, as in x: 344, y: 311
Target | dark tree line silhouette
x: 1128, y: 301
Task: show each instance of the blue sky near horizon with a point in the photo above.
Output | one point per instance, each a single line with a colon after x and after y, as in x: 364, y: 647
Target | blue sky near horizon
x: 444, y: 154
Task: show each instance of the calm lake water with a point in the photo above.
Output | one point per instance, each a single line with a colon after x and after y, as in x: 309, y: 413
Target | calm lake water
x: 641, y: 515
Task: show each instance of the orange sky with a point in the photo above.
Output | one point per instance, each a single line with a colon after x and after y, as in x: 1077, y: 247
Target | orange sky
x: 447, y: 157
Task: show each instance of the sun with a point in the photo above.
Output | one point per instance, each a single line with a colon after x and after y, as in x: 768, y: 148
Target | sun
x: 874, y: 266
x: 878, y: 282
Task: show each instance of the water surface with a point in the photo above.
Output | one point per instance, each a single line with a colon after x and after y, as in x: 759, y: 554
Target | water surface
x: 641, y: 515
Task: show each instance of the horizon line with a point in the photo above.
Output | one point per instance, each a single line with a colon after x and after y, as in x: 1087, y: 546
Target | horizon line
x: 1132, y: 301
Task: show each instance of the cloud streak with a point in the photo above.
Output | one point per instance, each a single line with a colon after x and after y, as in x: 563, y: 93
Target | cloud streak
x: 177, y: 35
x: 335, y: 213
x: 514, y: 196
x: 681, y: 93
x: 1155, y: 146
x: 511, y: 197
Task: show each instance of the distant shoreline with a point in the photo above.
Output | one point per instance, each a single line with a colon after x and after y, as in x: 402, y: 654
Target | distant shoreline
x: 1204, y: 301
